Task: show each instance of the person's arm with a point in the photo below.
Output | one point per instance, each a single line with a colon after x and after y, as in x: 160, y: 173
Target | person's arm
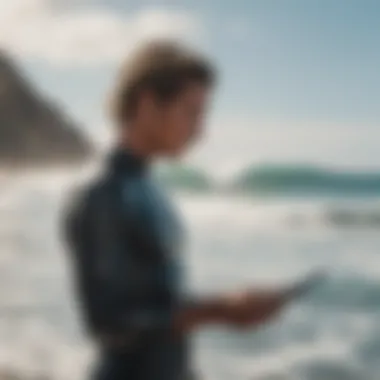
x: 244, y: 309
x: 105, y: 272
x: 248, y: 308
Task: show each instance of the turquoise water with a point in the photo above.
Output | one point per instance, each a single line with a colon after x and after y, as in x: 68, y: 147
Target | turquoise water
x: 232, y: 242
x: 300, y: 180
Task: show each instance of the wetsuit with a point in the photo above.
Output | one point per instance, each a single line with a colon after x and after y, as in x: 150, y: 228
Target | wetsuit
x: 124, y: 239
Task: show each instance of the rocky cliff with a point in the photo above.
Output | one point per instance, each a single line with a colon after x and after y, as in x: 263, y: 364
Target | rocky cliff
x: 33, y: 131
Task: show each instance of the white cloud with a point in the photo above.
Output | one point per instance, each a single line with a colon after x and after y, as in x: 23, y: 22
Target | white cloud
x: 76, y: 32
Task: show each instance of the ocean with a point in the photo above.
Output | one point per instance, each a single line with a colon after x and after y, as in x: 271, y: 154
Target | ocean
x: 233, y: 242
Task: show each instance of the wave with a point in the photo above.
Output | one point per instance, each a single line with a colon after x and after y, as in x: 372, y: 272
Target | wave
x: 338, y: 216
x: 306, y: 180
x: 243, y: 213
x: 275, y: 180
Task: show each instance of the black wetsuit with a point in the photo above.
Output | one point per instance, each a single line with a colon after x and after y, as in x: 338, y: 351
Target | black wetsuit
x: 124, y: 239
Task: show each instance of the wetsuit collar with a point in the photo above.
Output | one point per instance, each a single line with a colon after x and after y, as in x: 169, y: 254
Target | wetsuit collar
x: 124, y: 160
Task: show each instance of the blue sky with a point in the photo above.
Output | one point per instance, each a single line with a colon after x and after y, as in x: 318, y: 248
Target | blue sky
x: 299, y: 78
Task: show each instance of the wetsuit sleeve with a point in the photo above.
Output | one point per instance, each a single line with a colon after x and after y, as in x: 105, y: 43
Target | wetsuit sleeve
x: 116, y: 298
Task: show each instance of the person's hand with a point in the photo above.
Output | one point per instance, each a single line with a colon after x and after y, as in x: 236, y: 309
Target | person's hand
x: 252, y: 308
x: 244, y: 309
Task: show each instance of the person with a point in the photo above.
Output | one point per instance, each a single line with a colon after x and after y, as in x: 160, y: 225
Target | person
x: 125, y: 238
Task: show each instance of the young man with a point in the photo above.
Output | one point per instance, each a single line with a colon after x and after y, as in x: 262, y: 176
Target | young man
x: 125, y: 238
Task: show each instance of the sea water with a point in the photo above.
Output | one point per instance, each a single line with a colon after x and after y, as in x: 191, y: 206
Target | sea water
x: 232, y: 242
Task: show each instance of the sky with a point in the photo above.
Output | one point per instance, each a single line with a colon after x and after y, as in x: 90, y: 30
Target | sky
x: 299, y: 79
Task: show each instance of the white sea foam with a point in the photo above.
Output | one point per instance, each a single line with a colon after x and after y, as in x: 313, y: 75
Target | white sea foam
x: 233, y: 241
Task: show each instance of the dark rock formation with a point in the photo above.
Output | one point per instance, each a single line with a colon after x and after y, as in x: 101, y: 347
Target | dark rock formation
x: 33, y: 131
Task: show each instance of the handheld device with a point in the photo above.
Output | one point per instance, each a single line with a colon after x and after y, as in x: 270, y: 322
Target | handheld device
x: 301, y: 288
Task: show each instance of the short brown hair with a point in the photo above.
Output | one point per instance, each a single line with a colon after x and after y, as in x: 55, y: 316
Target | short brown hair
x: 164, y: 68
